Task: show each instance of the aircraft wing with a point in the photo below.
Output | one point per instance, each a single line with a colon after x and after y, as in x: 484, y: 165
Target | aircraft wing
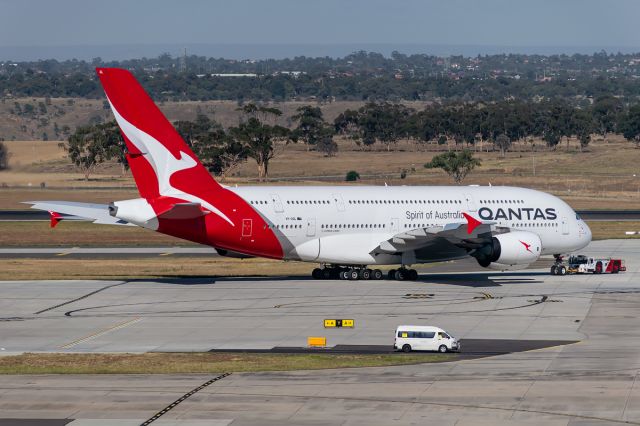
x: 68, y: 210
x: 470, y: 235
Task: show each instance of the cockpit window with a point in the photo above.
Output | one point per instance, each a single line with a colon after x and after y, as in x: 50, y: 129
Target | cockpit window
x: 578, y: 217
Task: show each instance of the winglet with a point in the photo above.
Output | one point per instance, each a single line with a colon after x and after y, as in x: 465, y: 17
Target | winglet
x: 472, y: 223
x: 55, y: 218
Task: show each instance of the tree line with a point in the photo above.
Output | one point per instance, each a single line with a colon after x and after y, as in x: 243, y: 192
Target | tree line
x: 464, y: 125
x: 367, y: 76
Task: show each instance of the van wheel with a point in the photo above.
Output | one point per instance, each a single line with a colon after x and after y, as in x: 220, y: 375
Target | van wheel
x: 442, y: 349
x: 406, y: 348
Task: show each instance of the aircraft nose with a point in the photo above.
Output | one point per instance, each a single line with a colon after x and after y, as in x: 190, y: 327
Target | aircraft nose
x: 585, y: 232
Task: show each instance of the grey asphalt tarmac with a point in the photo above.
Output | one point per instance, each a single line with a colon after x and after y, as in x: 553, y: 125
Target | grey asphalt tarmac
x: 593, y: 382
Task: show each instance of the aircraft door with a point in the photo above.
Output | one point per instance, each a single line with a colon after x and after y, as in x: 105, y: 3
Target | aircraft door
x: 471, y: 204
x: 311, y: 227
x: 277, y: 203
x: 394, y: 224
x: 247, y: 227
x: 565, y: 226
x: 337, y: 198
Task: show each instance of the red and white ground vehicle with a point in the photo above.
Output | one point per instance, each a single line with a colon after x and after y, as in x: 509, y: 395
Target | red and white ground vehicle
x: 581, y: 264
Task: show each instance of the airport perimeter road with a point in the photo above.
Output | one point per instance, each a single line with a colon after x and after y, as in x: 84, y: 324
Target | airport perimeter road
x: 593, y: 382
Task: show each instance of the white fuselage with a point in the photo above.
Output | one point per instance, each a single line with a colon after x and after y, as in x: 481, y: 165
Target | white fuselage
x: 344, y: 224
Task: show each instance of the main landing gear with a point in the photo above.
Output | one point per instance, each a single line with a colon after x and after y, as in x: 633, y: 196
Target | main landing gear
x: 362, y: 273
x: 403, y: 274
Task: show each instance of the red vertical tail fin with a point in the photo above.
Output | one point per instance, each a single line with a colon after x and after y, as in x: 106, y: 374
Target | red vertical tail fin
x: 160, y: 160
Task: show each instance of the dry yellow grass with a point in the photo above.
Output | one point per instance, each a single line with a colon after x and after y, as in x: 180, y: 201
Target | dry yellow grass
x: 58, y: 268
x: 614, y: 230
x: 601, y: 178
x: 173, y: 363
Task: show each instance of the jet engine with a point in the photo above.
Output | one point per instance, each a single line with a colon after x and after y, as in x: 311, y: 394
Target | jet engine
x: 517, y: 248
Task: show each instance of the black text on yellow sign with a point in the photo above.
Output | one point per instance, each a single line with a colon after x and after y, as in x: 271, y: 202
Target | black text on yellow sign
x: 343, y: 323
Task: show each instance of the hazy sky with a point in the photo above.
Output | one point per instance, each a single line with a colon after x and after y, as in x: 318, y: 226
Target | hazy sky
x: 519, y: 23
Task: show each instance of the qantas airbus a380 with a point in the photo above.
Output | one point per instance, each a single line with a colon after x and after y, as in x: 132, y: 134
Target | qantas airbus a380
x: 343, y: 228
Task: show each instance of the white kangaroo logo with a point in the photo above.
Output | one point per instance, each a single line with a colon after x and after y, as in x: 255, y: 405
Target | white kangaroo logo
x: 163, y: 162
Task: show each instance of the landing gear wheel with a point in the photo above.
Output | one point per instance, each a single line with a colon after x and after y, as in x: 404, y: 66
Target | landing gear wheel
x: 317, y: 274
x: 442, y: 349
x: 413, y: 275
x: 327, y: 273
x: 554, y: 270
x: 377, y: 274
x: 406, y: 348
x: 401, y: 275
x: 344, y: 275
x: 562, y: 270
x: 353, y: 274
x: 366, y: 274
x: 392, y: 274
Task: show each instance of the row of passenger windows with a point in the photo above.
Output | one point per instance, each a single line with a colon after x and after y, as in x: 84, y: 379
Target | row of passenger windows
x: 284, y: 226
x: 405, y: 202
x: 501, y: 202
x: 534, y: 225
x: 316, y: 202
x: 353, y: 226
x: 406, y: 225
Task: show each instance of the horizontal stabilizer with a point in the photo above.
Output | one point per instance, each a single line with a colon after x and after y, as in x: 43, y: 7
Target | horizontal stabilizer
x: 97, y: 213
x: 184, y: 211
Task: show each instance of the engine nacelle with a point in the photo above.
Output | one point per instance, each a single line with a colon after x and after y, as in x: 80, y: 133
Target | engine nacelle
x: 510, y: 249
x: 502, y: 267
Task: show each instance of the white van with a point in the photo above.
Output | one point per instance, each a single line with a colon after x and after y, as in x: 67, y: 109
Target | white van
x: 424, y: 338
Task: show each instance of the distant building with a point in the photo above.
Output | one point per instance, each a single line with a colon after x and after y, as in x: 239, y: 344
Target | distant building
x: 251, y: 75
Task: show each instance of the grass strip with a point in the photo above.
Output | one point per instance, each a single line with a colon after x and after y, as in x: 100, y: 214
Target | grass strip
x: 173, y: 363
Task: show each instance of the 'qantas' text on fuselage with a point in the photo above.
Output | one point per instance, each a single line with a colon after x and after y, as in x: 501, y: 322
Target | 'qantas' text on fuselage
x: 523, y: 213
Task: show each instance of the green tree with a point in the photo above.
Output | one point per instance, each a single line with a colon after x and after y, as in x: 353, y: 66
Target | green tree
x: 311, y: 126
x: 327, y: 145
x: 352, y: 176
x: 456, y: 164
x: 257, y: 138
x: 217, y: 150
x: 630, y: 125
x: 90, y: 146
x: 503, y: 143
x: 605, y: 112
